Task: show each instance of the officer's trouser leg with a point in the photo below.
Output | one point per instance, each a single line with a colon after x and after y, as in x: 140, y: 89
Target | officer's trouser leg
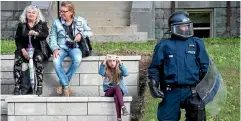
x: 195, y: 109
x: 169, y: 108
x: 38, y: 62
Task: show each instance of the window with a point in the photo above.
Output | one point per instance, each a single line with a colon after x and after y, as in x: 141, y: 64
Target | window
x: 202, y: 22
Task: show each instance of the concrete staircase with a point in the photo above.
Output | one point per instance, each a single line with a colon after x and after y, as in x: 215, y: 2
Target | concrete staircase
x: 109, y: 20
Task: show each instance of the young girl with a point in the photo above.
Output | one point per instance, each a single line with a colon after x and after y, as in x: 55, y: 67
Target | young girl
x: 113, y: 71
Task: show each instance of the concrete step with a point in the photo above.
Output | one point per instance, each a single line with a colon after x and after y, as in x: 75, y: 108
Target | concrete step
x: 85, y: 82
x: 104, y: 15
x: 81, y: 84
x: 114, y: 30
x: 139, y: 36
x: 76, y: 90
x: 4, y: 105
x: 98, y: 3
x: 32, y: 108
x: 77, y: 79
x: 111, y: 22
x: 101, y: 8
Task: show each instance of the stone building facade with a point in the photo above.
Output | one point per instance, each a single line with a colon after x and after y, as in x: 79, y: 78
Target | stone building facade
x: 218, y: 16
x: 216, y: 11
x: 10, y: 13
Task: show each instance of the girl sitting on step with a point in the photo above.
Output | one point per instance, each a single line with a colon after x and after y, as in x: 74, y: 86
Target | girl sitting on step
x: 113, y: 71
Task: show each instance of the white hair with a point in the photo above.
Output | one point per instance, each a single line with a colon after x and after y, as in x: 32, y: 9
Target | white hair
x: 23, y: 16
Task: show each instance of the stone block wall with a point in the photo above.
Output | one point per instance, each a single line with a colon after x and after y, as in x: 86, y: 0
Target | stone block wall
x: 163, y: 11
x: 221, y: 19
x: 86, y: 82
x: 11, y: 10
x: 87, y: 101
x: 32, y: 108
x: 9, y: 22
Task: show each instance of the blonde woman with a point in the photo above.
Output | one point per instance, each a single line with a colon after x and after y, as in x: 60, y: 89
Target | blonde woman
x: 113, y: 72
x: 65, y: 34
x: 32, y: 23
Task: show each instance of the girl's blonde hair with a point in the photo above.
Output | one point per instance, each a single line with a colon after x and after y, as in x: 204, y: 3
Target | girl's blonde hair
x: 70, y: 6
x: 23, y: 16
x: 113, y: 74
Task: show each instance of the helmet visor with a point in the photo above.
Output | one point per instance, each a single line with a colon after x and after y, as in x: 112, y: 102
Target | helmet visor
x: 184, y: 30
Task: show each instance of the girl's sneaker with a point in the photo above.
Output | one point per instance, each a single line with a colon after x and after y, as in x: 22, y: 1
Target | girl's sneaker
x: 119, y: 119
x: 125, y: 112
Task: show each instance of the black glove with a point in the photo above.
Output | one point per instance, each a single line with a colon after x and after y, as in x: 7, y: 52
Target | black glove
x: 202, y: 75
x: 154, y: 89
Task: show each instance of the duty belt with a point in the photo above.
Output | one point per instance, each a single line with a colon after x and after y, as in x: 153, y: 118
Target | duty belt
x: 170, y: 86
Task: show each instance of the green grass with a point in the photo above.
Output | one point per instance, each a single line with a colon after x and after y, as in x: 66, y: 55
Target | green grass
x: 124, y: 48
x: 8, y: 47
x: 224, y: 52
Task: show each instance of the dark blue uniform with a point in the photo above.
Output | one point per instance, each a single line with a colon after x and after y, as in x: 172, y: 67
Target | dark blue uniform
x: 177, y: 62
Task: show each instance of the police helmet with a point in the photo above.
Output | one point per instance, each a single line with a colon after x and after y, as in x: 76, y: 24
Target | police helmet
x: 180, y: 24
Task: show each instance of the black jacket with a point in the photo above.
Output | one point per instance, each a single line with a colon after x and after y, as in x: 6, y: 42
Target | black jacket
x: 39, y: 43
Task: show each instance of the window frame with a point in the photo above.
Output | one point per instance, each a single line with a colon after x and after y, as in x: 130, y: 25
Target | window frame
x: 211, y: 28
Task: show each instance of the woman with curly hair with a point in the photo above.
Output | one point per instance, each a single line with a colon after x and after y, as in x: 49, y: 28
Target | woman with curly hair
x: 32, y: 23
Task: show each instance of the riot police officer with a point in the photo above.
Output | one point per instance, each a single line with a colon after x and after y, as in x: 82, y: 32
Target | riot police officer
x: 178, y: 64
